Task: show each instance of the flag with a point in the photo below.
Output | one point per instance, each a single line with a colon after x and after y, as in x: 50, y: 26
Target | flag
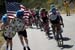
x: 11, y: 8
x: 11, y: 14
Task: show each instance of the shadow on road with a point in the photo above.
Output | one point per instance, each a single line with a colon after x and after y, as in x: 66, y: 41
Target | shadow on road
x: 66, y: 46
x: 66, y: 39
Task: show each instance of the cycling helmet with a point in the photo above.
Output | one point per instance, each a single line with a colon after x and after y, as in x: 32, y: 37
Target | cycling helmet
x: 19, y: 14
x: 43, y: 9
x: 52, y: 6
x: 4, y: 18
x: 53, y: 10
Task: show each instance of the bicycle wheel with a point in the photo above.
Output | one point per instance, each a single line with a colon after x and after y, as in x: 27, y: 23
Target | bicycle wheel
x: 60, y: 40
x: 60, y: 43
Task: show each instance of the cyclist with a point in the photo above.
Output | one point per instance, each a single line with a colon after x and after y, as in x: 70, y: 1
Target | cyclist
x: 56, y: 21
x: 22, y: 34
x: 37, y: 17
x: 52, y: 6
x: 33, y: 15
x: 44, y: 17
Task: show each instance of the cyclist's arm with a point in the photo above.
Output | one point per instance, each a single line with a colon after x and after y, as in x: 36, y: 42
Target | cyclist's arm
x: 61, y: 20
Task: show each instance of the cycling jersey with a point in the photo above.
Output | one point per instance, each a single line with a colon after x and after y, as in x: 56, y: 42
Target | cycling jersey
x: 54, y: 19
x: 44, y: 14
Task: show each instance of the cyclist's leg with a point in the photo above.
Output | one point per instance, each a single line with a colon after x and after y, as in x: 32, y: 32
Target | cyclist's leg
x: 31, y: 22
x: 60, y: 38
x: 41, y: 25
x: 45, y: 23
x: 58, y: 31
x: 39, y: 22
x: 53, y: 29
x: 57, y: 35
x: 36, y: 22
x: 47, y: 28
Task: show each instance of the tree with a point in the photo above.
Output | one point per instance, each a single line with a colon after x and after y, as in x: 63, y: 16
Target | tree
x: 2, y: 8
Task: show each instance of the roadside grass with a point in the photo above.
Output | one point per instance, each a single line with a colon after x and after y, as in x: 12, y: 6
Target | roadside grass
x: 1, y: 39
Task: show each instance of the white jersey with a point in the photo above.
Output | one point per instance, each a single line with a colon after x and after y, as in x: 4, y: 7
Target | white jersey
x: 52, y: 17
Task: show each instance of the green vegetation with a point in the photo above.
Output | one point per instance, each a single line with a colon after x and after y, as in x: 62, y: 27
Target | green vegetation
x: 36, y: 3
x: 1, y: 39
x: 43, y: 3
